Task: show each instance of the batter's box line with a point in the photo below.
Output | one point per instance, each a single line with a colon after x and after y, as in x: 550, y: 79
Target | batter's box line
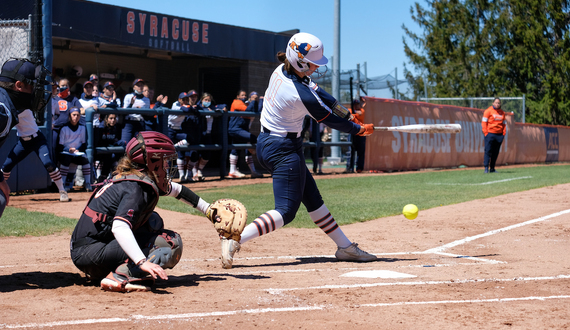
x: 378, y: 284
x: 493, y: 232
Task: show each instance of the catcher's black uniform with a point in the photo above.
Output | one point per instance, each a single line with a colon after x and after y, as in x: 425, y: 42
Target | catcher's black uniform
x: 94, y: 249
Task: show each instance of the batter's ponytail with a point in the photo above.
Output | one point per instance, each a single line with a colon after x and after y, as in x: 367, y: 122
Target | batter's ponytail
x: 282, y: 57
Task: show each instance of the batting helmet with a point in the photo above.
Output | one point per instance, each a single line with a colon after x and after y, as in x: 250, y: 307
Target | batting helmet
x: 153, y: 150
x: 304, y: 48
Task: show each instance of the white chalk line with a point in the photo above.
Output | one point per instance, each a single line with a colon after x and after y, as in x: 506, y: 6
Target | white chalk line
x: 501, y: 300
x: 479, y: 184
x: 160, y: 317
x: 188, y: 316
x: 412, y: 283
x: 493, y: 232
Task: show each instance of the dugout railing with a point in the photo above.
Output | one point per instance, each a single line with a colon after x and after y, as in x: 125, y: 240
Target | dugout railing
x: 162, y: 118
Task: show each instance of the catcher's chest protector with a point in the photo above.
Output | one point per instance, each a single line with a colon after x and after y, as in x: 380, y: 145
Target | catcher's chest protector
x: 147, y: 212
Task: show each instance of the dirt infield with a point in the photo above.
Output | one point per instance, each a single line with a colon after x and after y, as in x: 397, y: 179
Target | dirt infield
x: 499, y: 263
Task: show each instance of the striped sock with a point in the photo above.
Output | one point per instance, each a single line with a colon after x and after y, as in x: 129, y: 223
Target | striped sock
x: 87, y: 174
x: 323, y: 218
x: 180, y: 166
x: 264, y: 224
x: 6, y: 175
x: 55, y: 176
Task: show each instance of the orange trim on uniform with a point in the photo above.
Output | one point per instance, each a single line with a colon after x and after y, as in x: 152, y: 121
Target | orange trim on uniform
x: 123, y: 219
x: 318, y: 121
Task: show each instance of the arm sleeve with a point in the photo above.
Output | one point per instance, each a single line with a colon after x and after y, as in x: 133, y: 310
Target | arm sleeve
x: 186, y: 195
x: 126, y: 239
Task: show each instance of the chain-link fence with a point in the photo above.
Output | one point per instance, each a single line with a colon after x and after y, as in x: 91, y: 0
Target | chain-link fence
x: 15, y: 39
x: 508, y: 104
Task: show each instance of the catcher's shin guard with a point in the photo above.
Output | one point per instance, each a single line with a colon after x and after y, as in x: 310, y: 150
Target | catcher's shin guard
x: 229, y: 248
x: 127, y: 278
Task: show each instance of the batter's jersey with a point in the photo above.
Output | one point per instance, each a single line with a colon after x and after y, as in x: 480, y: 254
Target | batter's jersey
x: 289, y: 98
x: 125, y: 200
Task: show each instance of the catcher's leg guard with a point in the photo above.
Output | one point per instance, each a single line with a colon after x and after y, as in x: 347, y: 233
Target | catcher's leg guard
x: 166, y: 250
x: 127, y: 278
x: 229, y: 248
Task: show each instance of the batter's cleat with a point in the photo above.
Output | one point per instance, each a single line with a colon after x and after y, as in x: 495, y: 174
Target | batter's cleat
x: 354, y: 253
x: 63, y: 197
x: 236, y: 175
x: 256, y: 175
x: 229, y: 248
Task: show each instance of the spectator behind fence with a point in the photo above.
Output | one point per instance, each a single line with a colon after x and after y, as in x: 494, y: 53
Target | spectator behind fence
x: 238, y: 132
x: 134, y: 123
x: 190, y: 127
x: 89, y: 101
x: 358, y: 149
x: 108, y: 134
x: 72, y: 143
x: 176, y: 134
x: 206, y: 124
x: 108, y: 99
x: 151, y: 121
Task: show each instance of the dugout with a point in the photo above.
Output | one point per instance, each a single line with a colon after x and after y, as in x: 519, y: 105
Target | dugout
x: 172, y: 54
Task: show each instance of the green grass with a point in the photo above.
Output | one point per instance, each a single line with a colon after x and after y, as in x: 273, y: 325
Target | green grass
x: 19, y: 222
x: 356, y: 199
x: 350, y: 199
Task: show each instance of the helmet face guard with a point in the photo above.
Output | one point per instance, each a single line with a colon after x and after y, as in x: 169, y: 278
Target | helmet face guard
x: 40, y: 95
x: 153, y: 151
x: 304, y: 48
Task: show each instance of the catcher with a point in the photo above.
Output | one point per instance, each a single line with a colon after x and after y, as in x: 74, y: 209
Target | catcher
x: 120, y: 240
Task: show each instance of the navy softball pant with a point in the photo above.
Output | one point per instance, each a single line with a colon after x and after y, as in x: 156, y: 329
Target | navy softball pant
x: 293, y: 183
x: 23, y: 148
x: 492, y: 146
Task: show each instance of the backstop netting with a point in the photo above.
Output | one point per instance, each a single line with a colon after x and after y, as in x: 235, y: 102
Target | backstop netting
x: 15, y: 39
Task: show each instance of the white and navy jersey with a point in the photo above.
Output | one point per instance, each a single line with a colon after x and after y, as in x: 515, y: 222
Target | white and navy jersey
x: 72, y: 139
x: 87, y: 103
x: 27, y: 123
x: 175, y: 121
x: 143, y: 103
x: 7, y: 117
x: 289, y: 98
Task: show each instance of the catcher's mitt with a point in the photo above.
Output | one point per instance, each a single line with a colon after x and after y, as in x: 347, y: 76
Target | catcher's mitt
x: 229, y: 217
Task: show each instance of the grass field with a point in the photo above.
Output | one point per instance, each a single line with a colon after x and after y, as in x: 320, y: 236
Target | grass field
x: 350, y: 199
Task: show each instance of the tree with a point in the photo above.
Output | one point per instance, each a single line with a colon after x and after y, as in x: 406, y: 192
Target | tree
x: 477, y: 48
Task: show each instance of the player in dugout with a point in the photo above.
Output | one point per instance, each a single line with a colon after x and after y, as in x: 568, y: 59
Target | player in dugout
x: 290, y: 96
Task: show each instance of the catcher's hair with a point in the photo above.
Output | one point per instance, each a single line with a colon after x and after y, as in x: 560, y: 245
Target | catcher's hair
x: 126, y: 167
x: 7, y: 84
x: 282, y: 57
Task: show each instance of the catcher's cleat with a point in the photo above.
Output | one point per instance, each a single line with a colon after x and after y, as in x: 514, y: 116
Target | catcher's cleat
x: 354, y: 253
x: 229, y: 248
x: 256, y: 175
x: 63, y: 197
x: 123, y: 280
x: 236, y: 175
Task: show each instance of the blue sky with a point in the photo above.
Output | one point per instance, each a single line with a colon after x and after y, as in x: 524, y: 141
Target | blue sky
x: 371, y: 30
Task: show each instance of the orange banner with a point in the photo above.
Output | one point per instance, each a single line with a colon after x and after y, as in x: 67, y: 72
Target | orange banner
x: 396, y: 151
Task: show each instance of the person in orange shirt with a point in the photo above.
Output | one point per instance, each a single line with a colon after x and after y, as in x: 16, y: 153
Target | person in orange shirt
x: 494, y: 127
x: 238, y: 132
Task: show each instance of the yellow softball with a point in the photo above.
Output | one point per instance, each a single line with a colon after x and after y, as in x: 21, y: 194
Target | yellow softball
x: 410, y: 211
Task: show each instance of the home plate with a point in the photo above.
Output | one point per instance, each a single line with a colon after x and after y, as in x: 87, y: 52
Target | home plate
x: 377, y: 274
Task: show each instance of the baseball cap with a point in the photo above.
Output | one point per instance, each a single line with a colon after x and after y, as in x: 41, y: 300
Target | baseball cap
x: 27, y: 71
x: 93, y: 77
x: 88, y: 82
x: 192, y: 92
x: 109, y: 83
x: 137, y: 81
x: 182, y: 95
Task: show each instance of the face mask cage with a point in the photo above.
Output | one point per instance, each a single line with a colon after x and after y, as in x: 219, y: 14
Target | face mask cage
x: 170, y: 167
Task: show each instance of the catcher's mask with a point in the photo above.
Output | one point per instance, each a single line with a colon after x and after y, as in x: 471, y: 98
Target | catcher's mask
x: 153, y: 151
x: 304, y: 48
x: 36, y: 75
